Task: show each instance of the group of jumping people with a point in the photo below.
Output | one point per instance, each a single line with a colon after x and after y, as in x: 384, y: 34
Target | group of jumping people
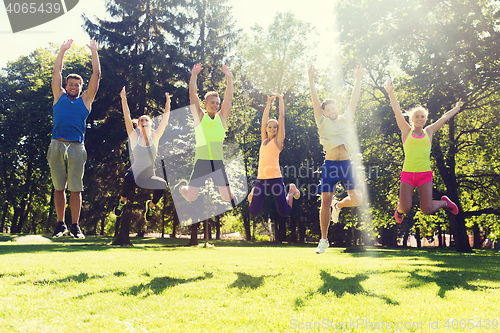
x: 67, y: 153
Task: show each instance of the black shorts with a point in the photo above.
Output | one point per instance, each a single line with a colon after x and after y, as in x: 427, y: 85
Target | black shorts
x: 204, y: 169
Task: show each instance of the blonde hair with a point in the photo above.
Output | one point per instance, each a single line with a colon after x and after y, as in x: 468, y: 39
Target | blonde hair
x: 212, y: 93
x: 414, y: 109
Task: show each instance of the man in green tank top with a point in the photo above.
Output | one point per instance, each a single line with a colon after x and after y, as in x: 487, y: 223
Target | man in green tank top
x: 210, y: 126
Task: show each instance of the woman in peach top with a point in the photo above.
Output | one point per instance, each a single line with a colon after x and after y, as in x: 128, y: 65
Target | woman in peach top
x: 269, y: 178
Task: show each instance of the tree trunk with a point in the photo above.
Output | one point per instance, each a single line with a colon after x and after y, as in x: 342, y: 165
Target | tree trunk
x: 417, y: 236
x: 51, y: 211
x: 4, y: 216
x: 103, y: 225
x: 194, y: 234
x: 217, y: 227
x: 389, y: 236
x: 174, y: 224
x: 123, y: 237
x: 477, y: 236
x: 246, y: 223
x: 447, y: 173
x: 207, y: 228
x: 459, y: 231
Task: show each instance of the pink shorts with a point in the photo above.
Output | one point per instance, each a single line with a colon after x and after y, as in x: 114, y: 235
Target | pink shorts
x: 416, y: 179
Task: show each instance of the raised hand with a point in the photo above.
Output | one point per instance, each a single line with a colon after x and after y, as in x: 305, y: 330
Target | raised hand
x: 389, y: 87
x: 358, y: 72
x: 226, y: 71
x: 459, y: 104
x: 122, y: 93
x: 312, y: 74
x: 167, y: 102
x: 66, y: 45
x: 270, y: 98
x: 196, y: 69
x: 92, y: 45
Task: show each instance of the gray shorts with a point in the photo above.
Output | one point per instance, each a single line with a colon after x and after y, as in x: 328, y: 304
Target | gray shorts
x: 67, y: 162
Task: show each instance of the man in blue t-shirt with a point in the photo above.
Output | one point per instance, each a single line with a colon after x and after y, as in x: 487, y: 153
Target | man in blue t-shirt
x: 67, y: 154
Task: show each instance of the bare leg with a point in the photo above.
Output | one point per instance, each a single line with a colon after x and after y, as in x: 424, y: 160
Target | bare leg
x: 190, y: 193
x: 324, y: 213
x: 226, y: 193
x: 353, y: 199
x: 405, y: 197
x: 289, y: 197
x: 250, y: 196
x: 60, y: 203
x: 427, y: 205
x: 75, y: 204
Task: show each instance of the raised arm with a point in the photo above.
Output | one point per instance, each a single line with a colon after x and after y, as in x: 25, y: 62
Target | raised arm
x: 57, y: 89
x: 126, y: 115
x: 89, y: 95
x: 265, y: 117
x: 400, y: 119
x: 314, y: 94
x: 193, y: 95
x: 164, y: 121
x: 228, y: 96
x: 356, y: 92
x: 433, y: 128
x: 281, y: 123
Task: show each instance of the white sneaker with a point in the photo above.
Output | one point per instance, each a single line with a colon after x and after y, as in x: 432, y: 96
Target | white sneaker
x: 322, y: 246
x: 335, y: 211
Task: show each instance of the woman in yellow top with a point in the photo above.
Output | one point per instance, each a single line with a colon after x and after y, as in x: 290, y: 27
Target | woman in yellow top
x: 417, y: 165
x: 269, y: 178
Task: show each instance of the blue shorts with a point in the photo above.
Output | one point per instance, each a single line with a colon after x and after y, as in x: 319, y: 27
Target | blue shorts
x: 337, y: 171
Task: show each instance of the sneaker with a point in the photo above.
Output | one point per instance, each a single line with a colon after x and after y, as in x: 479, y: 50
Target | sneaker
x: 119, y: 208
x: 76, y: 232
x: 398, y: 216
x: 148, y: 213
x: 335, y: 211
x: 296, y: 193
x: 450, y: 205
x: 61, y: 229
x: 322, y: 246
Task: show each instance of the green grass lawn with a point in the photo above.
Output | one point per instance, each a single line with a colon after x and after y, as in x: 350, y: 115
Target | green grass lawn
x: 161, y: 286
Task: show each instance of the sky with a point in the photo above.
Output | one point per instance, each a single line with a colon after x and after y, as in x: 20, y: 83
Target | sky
x: 246, y: 14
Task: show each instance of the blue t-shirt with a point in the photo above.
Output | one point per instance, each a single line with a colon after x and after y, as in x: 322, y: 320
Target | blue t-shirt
x: 69, y: 119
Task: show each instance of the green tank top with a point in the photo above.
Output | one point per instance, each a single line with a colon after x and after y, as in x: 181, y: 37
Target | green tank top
x: 417, y: 153
x: 209, y: 135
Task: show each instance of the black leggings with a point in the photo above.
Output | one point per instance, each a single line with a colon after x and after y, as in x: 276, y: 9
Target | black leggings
x: 153, y: 182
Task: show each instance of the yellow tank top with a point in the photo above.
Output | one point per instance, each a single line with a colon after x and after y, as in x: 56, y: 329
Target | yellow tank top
x: 209, y: 136
x: 417, y: 153
x: 269, y: 161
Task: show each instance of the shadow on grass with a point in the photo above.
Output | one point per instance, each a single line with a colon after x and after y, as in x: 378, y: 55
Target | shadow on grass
x: 448, y: 269
x: 245, y: 281
x: 446, y: 280
x: 79, y: 278
x: 158, y: 284
x: 342, y: 286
